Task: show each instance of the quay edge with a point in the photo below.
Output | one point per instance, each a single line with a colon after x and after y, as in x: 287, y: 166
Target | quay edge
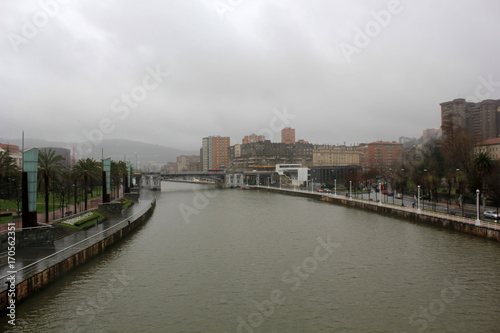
x: 438, y: 221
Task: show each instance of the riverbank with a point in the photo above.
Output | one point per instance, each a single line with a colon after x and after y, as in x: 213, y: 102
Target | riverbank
x: 488, y: 230
x: 41, y: 266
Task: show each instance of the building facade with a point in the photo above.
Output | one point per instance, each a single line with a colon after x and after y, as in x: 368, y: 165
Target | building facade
x: 381, y: 155
x: 481, y: 120
x: 266, y: 155
x: 491, y: 146
x: 288, y: 135
x: 14, y: 153
x: 188, y: 163
x: 329, y: 155
x: 252, y: 138
x: 331, y: 175
x: 215, y: 152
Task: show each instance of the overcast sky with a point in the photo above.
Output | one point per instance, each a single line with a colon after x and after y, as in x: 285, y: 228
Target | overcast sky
x: 233, y: 65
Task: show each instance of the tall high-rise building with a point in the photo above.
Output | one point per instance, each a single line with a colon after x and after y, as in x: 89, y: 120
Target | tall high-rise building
x: 215, y: 152
x: 481, y: 120
x: 288, y: 135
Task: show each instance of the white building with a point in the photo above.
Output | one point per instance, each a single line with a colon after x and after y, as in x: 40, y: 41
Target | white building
x: 295, y: 172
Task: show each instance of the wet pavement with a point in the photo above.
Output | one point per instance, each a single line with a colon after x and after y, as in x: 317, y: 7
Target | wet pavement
x: 31, y: 260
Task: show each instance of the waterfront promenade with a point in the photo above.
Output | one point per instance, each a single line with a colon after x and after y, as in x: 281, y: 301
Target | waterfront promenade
x: 374, y: 205
x: 30, y: 261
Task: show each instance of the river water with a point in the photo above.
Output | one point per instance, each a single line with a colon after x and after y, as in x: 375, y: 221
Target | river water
x: 252, y: 261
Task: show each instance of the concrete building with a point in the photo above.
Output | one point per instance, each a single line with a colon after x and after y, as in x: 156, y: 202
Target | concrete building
x: 331, y: 175
x: 296, y: 173
x: 430, y: 134
x: 215, y: 152
x: 491, y: 146
x: 329, y: 155
x: 252, y: 138
x: 171, y: 167
x: 379, y: 155
x: 405, y: 139
x: 481, y: 120
x: 11, y: 148
x: 266, y: 155
x: 14, y: 153
x: 288, y: 135
x: 188, y: 163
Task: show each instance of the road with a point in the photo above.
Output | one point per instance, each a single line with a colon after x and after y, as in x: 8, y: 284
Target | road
x: 468, y: 211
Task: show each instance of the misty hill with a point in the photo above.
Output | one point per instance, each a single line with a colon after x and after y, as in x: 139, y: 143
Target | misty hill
x: 152, y: 154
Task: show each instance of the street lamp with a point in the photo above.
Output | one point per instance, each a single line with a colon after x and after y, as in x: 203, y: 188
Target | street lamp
x: 418, y: 200
x: 379, y: 195
x: 335, y: 184
x: 478, y: 221
x: 350, y: 190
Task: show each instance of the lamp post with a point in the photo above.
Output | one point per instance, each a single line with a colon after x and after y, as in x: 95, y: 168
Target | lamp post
x: 380, y: 195
x: 335, y: 184
x: 478, y: 221
x: 418, y: 200
x: 350, y: 190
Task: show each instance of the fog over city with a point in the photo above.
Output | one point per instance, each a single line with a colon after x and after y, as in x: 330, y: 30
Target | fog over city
x: 173, y: 72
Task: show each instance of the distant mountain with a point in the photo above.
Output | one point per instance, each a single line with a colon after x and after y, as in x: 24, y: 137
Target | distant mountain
x: 147, y: 154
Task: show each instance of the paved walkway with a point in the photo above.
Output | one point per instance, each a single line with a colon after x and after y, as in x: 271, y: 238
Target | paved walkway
x: 483, y: 223
x: 30, y: 260
x: 55, y: 215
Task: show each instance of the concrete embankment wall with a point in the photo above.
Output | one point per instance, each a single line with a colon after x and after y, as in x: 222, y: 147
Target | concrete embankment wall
x: 32, y: 285
x: 438, y: 221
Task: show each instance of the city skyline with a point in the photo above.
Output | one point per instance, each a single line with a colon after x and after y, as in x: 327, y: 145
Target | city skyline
x: 344, y: 71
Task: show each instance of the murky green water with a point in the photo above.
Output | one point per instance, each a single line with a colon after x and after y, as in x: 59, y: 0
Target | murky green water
x: 250, y: 261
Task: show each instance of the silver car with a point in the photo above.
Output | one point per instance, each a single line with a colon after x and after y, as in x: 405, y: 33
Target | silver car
x: 490, y: 215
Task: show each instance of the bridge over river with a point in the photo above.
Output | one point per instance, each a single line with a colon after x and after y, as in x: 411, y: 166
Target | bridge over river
x: 152, y: 180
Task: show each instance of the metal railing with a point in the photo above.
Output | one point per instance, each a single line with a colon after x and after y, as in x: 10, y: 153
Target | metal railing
x: 461, y: 219
x: 40, y: 265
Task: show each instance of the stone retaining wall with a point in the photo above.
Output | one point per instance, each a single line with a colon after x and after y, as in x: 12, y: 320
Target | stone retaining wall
x: 443, y: 222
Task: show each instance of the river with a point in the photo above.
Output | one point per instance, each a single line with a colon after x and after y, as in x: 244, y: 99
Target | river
x: 251, y: 261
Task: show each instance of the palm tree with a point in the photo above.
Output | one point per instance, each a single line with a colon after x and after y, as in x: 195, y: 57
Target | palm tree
x: 49, y: 168
x: 86, y: 169
x: 8, y: 171
x: 64, y: 187
x: 7, y: 166
x: 482, y: 165
x: 118, y: 171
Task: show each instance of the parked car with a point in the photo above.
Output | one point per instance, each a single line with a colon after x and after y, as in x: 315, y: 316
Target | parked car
x: 490, y: 215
